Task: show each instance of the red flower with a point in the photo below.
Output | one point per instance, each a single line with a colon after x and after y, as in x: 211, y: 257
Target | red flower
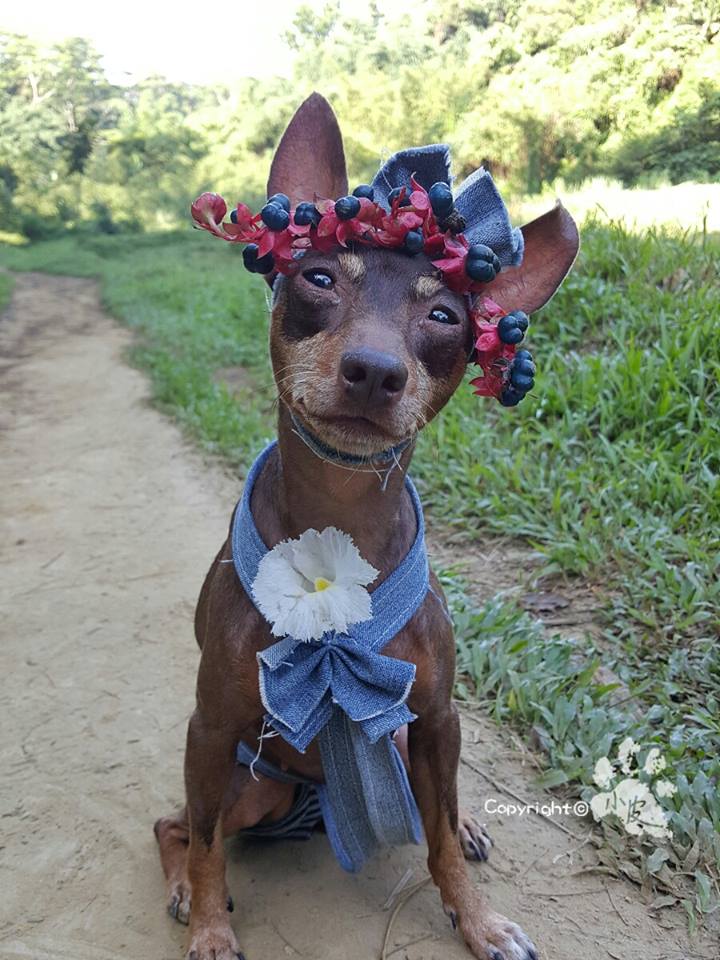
x: 245, y: 229
x: 332, y: 230
x: 208, y: 212
x: 491, y: 354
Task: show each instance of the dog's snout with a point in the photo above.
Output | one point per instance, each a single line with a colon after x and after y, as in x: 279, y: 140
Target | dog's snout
x: 370, y: 376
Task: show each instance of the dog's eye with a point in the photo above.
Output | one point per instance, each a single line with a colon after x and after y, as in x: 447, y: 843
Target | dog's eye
x: 439, y: 315
x: 319, y: 278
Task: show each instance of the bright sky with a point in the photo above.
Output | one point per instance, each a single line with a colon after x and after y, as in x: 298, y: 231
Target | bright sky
x: 202, y: 42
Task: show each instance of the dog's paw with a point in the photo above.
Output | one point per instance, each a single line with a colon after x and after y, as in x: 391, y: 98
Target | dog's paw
x: 216, y: 942
x: 490, y: 936
x: 474, y: 838
x: 179, y: 900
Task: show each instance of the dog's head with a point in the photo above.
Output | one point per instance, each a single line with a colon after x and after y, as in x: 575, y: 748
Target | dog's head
x: 369, y: 344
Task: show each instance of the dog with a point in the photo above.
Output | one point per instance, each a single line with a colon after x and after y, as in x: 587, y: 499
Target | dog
x: 367, y: 345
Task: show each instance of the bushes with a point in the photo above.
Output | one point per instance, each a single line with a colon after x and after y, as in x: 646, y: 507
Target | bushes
x: 537, y: 91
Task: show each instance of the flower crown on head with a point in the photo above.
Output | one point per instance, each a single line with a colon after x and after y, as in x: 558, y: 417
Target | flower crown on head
x: 396, y: 212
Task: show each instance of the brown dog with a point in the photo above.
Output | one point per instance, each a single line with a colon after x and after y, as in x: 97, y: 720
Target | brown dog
x: 360, y: 359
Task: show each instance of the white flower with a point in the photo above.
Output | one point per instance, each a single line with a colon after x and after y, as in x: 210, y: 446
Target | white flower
x: 635, y: 807
x: 601, y: 805
x: 663, y: 788
x: 317, y: 583
x: 626, y: 751
x: 603, y: 773
x: 630, y: 800
x: 654, y: 763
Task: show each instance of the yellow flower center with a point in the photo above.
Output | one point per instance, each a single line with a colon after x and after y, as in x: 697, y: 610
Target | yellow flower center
x: 322, y: 584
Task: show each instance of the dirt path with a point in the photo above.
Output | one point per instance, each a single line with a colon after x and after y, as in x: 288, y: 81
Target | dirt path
x: 109, y: 524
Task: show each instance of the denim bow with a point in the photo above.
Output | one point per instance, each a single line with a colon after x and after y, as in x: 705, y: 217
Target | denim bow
x: 486, y: 216
x: 300, y: 682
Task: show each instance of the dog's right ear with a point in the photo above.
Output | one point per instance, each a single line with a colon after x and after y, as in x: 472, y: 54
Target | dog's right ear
x: 551, y: 245
x: 310, y: 161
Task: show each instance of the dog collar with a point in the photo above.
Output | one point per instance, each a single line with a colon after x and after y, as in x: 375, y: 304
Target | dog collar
x: 391, y: 456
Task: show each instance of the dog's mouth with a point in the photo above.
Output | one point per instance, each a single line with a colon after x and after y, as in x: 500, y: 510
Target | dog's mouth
x: 350, y: 433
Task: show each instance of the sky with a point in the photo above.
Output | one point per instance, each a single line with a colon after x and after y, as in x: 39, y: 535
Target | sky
x: 204, y: 42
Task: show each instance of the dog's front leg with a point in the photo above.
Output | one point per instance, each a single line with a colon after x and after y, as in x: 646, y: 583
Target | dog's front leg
x: 434, y: 742
x: 209, y: 763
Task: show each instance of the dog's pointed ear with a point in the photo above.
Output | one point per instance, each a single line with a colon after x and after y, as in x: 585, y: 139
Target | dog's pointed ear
x: 551, y: 245
x: 310, y: 160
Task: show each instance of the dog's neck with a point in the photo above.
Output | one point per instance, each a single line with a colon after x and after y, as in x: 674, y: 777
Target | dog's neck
x: 299, y: 489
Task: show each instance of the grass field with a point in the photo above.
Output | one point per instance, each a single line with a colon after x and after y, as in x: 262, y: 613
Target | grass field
x: 610, y: 471
x: 6, y: 287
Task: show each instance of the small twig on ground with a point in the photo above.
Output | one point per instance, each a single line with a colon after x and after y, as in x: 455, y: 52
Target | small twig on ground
x: 565, y: 893
x: 612, y: 904
x: 398, y: 907
x: 410, y: 943
x: 537, y: 860
x: 48, y: 563
x: 398, y: 888
x: 288, y: 945
x: 525, y: 752
x: 569, y: 853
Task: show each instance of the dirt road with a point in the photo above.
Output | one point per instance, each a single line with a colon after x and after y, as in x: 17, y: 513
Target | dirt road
x: 109, y: 522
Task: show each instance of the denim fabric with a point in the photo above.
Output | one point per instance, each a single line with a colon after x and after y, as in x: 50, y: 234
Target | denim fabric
x: 487, y: 220
x: 486, y: 217
x: 429, y: 165
x: 344, y: 691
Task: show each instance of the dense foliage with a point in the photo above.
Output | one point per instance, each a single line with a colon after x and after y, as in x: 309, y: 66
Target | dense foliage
x: 536, y: 90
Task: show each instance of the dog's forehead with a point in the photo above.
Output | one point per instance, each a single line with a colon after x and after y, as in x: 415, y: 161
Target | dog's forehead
x: 383, y: 275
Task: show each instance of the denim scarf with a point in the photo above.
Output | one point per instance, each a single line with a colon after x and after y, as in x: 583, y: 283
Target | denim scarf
x: 344, y: 691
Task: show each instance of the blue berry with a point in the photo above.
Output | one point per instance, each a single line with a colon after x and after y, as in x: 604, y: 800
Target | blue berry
x: 524, y: 367
x: 364, y: 190
x: 523, y: 363
x: 509, y: 330
x: 306, y: 213
x: 394, y: 194
x: 233, y: 216
x: 347, y: 207
x: 521, y: 319
x: 510, y: 397
x: 479, y: 270
x: 478, y: 251
x: 521, y: 381
x: 275, y: 217
x: 441, y: 200
x: 256, y: 264
x: 281, y: 199
x: 481, y: 263
x: 414, y: 241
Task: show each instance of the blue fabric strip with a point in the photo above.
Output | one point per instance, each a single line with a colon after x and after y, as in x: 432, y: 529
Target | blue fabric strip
x: 344, y: 691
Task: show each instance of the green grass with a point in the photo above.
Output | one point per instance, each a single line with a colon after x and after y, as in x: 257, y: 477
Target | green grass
x: 6, y: 288
x: 610, y: 471
x: 508, y: 665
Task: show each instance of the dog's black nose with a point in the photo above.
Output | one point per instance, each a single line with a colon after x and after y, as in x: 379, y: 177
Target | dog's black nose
x: 371, y: 377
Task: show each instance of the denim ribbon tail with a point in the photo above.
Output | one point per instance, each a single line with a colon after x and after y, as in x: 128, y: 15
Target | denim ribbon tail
x: 344, y: 691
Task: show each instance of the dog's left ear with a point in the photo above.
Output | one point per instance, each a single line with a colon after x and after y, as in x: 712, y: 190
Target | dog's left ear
x: 551, y: 245
x: 310, y: 160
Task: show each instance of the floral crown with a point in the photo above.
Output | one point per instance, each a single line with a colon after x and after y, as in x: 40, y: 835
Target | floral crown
x: 396, y: 212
